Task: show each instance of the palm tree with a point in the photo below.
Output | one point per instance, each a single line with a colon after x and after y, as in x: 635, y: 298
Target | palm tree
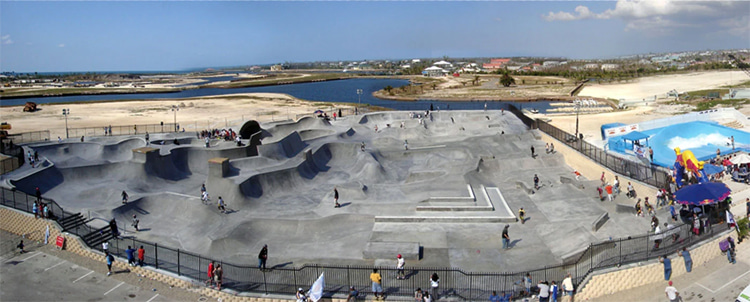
x: 506, y: 80
x: 388, y: 89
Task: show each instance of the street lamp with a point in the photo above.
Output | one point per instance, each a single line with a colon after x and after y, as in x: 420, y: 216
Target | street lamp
x: 175, y: 109
x: 359, y: 98
x: 66, y: 112
x: 578, y: 108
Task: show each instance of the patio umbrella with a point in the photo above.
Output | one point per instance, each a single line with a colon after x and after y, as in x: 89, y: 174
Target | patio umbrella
x: 741, y: 158
x: 702, y: 194
x: 712, y: 169
x: 318, y: 111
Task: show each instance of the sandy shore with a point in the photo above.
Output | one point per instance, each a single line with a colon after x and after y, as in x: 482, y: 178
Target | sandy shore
x: 648, y: 87
x: 195, y: 113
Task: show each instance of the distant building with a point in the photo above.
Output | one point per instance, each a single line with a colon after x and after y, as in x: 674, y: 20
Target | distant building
x: 443, y: 64
x: 434, y: 71
x: 550, y: 63
x: 277, y: 68
x: 607, y: 67
x: 591, y: 66
x: 495, y: 64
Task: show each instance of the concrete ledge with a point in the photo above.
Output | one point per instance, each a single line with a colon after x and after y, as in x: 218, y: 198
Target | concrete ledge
x: 443, y: 219
x: 599, y: 222
x: 471, y: 197
x: 572, y: 257
x: 625, y: 208
x: 389, y: 250
x: 453, y: 208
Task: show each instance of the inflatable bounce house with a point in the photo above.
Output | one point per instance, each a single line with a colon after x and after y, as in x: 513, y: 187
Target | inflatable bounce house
x: 686, y: 160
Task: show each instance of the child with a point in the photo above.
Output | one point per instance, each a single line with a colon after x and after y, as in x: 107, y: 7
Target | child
x: 521, y: 215
x: 638, y: 209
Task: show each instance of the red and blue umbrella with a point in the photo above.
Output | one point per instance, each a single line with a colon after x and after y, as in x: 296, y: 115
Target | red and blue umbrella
x: 702, y: 194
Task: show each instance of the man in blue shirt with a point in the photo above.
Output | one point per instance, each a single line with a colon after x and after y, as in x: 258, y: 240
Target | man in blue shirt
x: 667, y: 267
x: 131, y: 256
x: 494, y: 297
x: 688, y: 261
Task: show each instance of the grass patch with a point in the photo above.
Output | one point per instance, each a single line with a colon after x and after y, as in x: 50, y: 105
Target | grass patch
x: 705, y: 93
x: 708, y: 104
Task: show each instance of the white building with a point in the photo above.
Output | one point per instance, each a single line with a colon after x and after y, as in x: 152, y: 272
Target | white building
x: 434, y: 71
x: 607, y: 67
x: 443, y: 64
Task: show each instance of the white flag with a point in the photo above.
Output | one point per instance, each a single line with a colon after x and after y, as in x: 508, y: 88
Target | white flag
x: 316, y: 291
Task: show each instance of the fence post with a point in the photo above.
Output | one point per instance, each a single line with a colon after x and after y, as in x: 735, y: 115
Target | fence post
x: 156, y: 255
x: 348, y: 276
x: 591, y: 256
x: 265, y: 283
x: 178, y: 262
x: 471, y: 287
x: 619, y: 262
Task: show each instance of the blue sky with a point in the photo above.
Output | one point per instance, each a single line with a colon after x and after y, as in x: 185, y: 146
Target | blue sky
x: 108, y: 36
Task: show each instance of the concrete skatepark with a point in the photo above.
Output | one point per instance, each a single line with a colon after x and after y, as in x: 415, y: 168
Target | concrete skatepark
x: 443, y: 201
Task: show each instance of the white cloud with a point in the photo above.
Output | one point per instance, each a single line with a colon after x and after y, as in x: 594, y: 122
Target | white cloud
x: 6, y: 39
x: 664, y: 16
x: 61, y: 45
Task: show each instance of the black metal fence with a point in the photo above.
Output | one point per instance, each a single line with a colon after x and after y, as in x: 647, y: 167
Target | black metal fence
x: 110, y: 130
x: 26, y: 137
x: 646, y: 173
x: 453, y: 281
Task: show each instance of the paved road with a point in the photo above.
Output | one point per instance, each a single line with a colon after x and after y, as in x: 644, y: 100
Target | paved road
x: 40, y: 275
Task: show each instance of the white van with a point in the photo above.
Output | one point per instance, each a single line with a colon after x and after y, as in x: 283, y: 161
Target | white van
x: 744, y: 295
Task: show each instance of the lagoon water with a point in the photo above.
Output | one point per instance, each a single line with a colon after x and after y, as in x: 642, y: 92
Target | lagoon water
x: 339, y: 91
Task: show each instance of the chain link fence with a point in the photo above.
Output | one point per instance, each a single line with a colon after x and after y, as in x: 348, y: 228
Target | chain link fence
x: 453, y: 281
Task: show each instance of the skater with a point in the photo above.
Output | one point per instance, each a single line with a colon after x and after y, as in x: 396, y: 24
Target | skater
x: 262, y: 257
x: 406, y: 145
x: 336, y: 198
x: 551, y: 148
x: 124, y: 197
x: 532, y: 152
x: 208, y: 142
x: 205, y: 198
x: 135, y: 223
x: 536, y: 182
x: 631, y: 191
x: 521, y: 215
x: 147, y: 137
x: 400, y: 262
x: 362, y: 147
x: 222, y: 205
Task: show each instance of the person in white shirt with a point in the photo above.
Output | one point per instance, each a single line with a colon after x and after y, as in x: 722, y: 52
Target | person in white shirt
x: 543, y: 291
x: 672, y: 294
x: 568, y: 289
x: 400, y: 267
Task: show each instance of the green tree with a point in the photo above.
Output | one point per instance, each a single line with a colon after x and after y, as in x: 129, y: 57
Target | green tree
x: 388, y: 89
x: 475, y: 81
x: 506, y: 80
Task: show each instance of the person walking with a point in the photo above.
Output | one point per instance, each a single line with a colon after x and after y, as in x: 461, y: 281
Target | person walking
x: 113, y: 228
x: 400, y: 263
x: 20, y: 247
x: 617, y: 185
x: 124, y: 197
x: 147, y: 139
x: 667, y: 267
x: 110, y: 260
x: 543, y: 291
x: 135, y: 223
x: 336, y: 198
x: 377, y: 289
x: 568, y: 289
x: 553, y: 291
x: 506, y: 237
x: 522, y: 215
x: 141, y: 256
x: 672, y: 294
x: 532, y: 152
x: 688, y: 261
x: 536, y: 182
x: 262, y: 257
x: 218, y: 276
x: 631, y: 191
x: 406, y: 145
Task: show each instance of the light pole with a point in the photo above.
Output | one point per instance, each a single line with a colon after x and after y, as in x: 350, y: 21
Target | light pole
x: 578, y: 108
x: 359, y: 98
x: 174, y: 110
x: 66, y: 112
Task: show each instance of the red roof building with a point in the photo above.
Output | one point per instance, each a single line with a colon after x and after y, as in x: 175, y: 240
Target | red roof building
x: 495, y: 63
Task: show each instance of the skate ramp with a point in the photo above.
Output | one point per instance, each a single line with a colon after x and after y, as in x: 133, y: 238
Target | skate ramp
x: 89, y: 153
x: 287, y: 147
x: 283, y: 129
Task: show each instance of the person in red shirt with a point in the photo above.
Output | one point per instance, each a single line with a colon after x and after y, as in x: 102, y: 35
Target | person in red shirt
x: 141, y: 256
x: 210, y: 280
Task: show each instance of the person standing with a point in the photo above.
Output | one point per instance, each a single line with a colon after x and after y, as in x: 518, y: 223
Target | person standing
x: 400, y: 263
x: 20, y: 247
x: 730, y: 251
x: 522, y: 215
x: 672, y: 294
x: 553, y: 289
x: 210, y: 272
x: 336, y: 198
x: 105, y: 246
x: 506, y: 238
x: 568, y: 289
x: 667, y: 267
x: 45, y: 211
x: 147, y: 139
x: 131, y: 255
x: 603, y: 179
x: 688, y: 261
x: 551, y: 148
x: 651, y: 153
x: 377, y: 289
x: 631, y: 191
x: 609, y: 190
x: 543, y: 291
x: 141, y: 256
x: 494, y: 297
x: 113, y: 228
x: 434, y: 285
x: 262, y: 257
x: 110, y: 260
x: 135, y: 222
x: 406, y: 145
x: 527, y: 283
x: 617, y: 185
x: 124, y: 197
x: 35, y: 209
x: 536, y: 182
x: 532, y: 151
x: 38, y: 194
